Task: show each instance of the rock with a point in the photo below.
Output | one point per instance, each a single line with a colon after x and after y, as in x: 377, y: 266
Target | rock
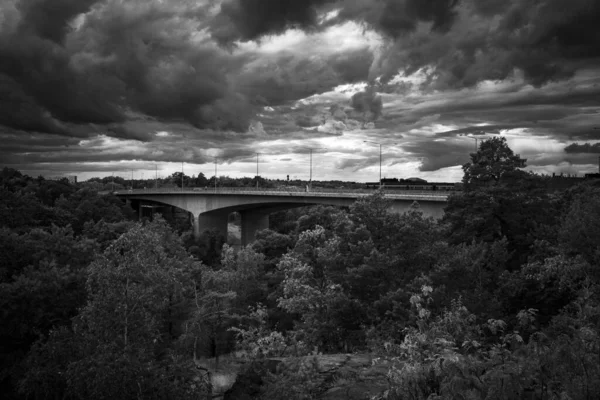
x: 248, y: 383
x: 339, y: 376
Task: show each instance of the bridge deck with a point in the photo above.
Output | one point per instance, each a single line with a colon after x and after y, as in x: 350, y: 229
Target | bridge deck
x: 346, y: 193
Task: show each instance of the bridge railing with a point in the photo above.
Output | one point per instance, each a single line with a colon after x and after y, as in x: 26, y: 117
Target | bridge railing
x: 312, y: 192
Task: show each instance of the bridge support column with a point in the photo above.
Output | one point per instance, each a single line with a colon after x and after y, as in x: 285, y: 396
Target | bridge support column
x: 210, y: 221
x: 252, y: 221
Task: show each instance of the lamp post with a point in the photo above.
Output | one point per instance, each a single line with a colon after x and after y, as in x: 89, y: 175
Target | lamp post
x: 257, y: 170
x: 474, y: 138
x: 216, y: 159
x: 476, y: 141
x: 380, y: 146
x: 310, y: 149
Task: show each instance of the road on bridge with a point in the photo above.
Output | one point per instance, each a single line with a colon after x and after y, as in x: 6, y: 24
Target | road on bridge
x: 314, y: 192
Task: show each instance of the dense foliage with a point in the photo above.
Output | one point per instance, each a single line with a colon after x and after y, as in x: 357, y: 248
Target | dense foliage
x: 498, y: 300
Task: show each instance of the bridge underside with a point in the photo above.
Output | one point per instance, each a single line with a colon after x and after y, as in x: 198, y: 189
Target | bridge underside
x: 212, y: 212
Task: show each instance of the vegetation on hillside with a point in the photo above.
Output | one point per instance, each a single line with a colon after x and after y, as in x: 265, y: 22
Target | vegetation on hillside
x: 498, y: 300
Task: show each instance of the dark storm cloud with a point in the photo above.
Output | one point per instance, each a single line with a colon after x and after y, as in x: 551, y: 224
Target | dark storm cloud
x: 477, y: 130
x: 32, y: 55
x: 396, y: 18
x: 583, y: 148
x: 128, y: 130
x: 18, y: 142
x: 20, y: 111
x: 140, y: 57
x: 356, y: 164
x: 566, y: 111
x: 436, y: 154
x: 352, y: 66
x: 490, y: 8
x: 367, y: 102
x: 48, y: 19
x: 250, y: 19
x: 548, y: 40
x: 287, y: 78
x: 168, y: 75
x: 284, y: 77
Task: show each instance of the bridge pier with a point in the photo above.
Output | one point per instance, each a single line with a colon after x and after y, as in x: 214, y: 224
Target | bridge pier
x: 252, y: 222
x: 208, y: 221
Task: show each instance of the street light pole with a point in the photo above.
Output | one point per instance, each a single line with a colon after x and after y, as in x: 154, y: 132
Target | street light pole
x: 476, y: 145
x: 380, y: 183
x: 182, y: 176
x: 310, y: 149
x: 380, y: 158
x: 310, y: 175
x: 257, y: 170
x: 216, y: 174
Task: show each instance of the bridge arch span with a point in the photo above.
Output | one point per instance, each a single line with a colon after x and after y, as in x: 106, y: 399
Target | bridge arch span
x: 210, y: 210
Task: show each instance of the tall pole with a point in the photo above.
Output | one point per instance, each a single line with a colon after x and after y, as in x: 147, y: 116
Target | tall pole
x: 380, y: 158
x: 131, y: 179
x: 476, y: 141
x: 182, y: 176
x: 257, y: 170
x: 215, y: 175
x: 156, y: 177
x: 380, y: 165
x: 310, y: 176
x: 310, y: 149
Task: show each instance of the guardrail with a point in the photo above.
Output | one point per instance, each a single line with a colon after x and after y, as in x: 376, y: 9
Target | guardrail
x: 314, y: 192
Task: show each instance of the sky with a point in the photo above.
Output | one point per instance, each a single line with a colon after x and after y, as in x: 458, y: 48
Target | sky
x: 150, y: 87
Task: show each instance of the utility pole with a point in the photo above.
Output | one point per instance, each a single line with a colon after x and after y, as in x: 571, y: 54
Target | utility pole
x: 156, y: 177
x: 257, y: 170
x: 182, y: 176
x: 310, y: 149
x: 131, y: 179
x: 380, y: 158
x: 310, y: 175
x: 216, y: 175
x: 380, y: 183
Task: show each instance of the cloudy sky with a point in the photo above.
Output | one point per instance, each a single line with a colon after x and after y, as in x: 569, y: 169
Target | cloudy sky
x: 102, y: 87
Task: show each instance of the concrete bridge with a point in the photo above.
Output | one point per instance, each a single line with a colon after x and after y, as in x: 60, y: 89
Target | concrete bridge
x: 210, y: 208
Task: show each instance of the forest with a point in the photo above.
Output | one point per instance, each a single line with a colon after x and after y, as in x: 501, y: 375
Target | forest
x: 499, y: 299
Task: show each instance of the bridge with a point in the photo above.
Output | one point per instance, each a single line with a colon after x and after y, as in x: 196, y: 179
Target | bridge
x: 210, y: 208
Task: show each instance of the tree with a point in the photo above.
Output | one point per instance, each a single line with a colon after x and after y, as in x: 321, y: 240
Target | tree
x: 201, y: 180
x: 120, y: 344
x: 493, y: 164
x: 499, y: 201
x: 222, y: 296
x: 580, y: 228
